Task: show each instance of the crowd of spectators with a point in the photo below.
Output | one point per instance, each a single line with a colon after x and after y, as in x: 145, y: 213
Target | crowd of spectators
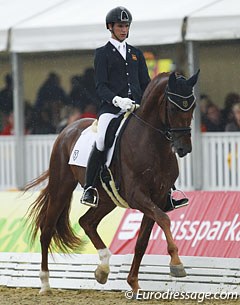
x: 54, y: 108
x: 213, y: 118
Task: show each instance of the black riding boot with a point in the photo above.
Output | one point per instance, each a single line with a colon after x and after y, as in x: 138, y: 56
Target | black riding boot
x: 90, y: 193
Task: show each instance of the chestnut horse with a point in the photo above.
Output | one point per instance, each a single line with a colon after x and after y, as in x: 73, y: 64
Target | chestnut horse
x: 156, y: 131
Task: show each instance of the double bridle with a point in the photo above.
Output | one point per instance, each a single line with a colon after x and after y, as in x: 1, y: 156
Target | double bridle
x: 169, y: 131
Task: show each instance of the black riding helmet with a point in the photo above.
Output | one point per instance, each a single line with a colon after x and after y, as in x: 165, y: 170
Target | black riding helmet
x: 118, y: 14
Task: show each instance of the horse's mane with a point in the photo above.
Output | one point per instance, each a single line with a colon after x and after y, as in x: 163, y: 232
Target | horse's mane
x: 155, y: 88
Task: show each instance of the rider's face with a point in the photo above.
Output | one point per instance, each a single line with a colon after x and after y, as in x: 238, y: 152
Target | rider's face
x: 120, y: 30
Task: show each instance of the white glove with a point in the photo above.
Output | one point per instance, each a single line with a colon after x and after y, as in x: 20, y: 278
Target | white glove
x: 124, y: 103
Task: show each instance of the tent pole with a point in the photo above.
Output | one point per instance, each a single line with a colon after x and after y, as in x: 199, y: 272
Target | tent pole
x: 197, y: 161
x: 18, y: 108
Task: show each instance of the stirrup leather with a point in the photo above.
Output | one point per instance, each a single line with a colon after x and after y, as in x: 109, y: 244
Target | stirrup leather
x: 95, y: 195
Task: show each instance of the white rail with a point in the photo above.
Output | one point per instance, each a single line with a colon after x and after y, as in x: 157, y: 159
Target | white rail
x: 7, y: 162
x: 204, y: 274
x: 220, y: 161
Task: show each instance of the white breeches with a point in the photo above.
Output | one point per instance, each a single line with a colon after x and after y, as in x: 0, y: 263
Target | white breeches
x: 103, y: 123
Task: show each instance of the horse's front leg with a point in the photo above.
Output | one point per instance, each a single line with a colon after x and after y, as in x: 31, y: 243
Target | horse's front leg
x: 150, y: 209
x: 140, y: 248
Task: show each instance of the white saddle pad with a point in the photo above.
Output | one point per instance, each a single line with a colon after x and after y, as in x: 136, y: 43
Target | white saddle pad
x: 84, y: 144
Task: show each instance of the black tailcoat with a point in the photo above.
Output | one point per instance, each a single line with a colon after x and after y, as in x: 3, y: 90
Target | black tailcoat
x: 116, y: 76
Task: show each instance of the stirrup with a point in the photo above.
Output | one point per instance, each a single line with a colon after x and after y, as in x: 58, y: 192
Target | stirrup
x: 184, y: 199
x: 93, y: 204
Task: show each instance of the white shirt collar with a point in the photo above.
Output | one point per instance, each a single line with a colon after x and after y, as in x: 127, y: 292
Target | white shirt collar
x: 117, y: 43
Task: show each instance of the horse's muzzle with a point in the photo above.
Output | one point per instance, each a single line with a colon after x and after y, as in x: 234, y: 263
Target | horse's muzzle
x: 182, y: 152
x: 182, y: 145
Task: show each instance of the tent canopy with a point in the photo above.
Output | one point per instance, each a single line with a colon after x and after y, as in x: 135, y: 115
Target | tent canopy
x: 13, y: 12
x: 75, y: 24
x: 217, y: 21
x: 54, y: 25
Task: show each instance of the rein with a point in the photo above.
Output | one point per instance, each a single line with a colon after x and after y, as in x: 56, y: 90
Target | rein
x: 168, y: 131
x: 163, y: 132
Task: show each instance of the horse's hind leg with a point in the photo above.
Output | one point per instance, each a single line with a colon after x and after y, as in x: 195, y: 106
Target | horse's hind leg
x: 140, y: 248
x: 89, y: 222
x: 58, y: 199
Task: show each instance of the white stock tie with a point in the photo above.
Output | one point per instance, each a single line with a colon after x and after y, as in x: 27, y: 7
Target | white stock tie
x: 122, y: 51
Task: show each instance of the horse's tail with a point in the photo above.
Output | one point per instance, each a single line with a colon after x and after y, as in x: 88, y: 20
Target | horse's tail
x: 63, y: 237
x: 44, y: 176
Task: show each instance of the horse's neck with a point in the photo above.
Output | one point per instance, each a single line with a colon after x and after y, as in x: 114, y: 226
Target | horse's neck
x: 149, y: 131
x: 152, y: 112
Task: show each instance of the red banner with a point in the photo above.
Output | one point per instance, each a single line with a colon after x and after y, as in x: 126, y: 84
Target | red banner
x: 208, y: 226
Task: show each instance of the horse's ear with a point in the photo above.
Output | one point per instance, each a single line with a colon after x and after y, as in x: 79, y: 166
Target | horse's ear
x: 193, y: 79
x: 172, y: 81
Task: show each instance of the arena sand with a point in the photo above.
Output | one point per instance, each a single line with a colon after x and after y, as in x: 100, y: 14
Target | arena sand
x: 29, y: 296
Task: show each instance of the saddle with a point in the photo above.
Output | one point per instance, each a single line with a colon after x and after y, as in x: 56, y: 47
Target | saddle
x: 110, y: 184
x: 111, y: 131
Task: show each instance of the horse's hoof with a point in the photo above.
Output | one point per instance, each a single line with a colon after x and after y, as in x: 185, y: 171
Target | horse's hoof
x: 137, y: 297
x: 101, y: 273
x: 177, y: 270
x: 45, y: 292
x: 134, y: 297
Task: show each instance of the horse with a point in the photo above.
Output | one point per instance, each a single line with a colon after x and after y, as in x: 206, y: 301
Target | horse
x: 147, y: 168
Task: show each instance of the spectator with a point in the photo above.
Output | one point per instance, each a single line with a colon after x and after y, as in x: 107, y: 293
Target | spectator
x: 43, y: 123
x: 230, y: 99
x: 28, y: 117
x: 6, y: 95
x: 90, y: 111
x: 77, y: 95
x: 28, y: 120
x: 89, y: 84
x: 213, y: 120
x: 51, y: 97
x: 83, y: 92
x: 6, y: 100
x: 8, y: 129
x: 235, y: 124
x: 74, y: 114
x: 205, y: 101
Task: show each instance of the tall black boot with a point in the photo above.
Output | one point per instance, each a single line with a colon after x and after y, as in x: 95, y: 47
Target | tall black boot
x: 90, y: 193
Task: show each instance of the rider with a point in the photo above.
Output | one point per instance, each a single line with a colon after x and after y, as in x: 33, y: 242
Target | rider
x: 121, y: 76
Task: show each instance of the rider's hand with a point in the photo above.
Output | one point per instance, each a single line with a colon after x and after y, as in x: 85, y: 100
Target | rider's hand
x: 124, y: 103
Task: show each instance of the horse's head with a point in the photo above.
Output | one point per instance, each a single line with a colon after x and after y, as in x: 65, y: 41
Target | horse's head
x: 180, y: 104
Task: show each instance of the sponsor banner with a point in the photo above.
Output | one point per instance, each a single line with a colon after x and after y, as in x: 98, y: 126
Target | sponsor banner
x: 209, y: 226
x: 14, y: 233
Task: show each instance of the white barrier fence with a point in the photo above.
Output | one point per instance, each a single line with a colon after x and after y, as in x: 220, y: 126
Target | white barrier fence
x: 205, y: 275
x: 219, y: 158
x: 221, y: 162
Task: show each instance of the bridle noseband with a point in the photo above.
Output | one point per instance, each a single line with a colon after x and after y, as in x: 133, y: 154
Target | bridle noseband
x: 183, y: 106
x: 169, y: 131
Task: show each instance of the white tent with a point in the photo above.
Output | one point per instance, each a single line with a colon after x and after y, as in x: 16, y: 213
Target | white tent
x: 217, y: 21
x: 13, y: 12
x: 76, y: 24
x: 47, y: 25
